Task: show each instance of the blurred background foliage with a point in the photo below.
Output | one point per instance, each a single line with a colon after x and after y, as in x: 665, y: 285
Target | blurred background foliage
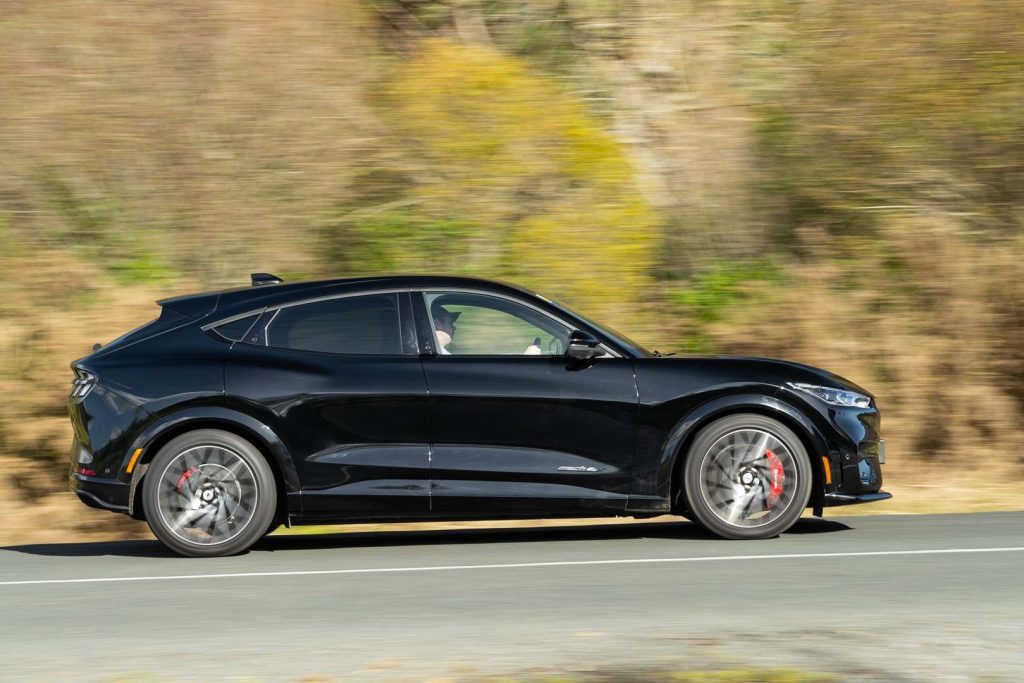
x: 834, y: 182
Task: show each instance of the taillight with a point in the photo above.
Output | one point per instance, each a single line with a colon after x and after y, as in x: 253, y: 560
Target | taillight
x: 82, y: 384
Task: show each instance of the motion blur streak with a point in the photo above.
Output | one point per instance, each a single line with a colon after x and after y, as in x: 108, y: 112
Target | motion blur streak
x: 838, y: 183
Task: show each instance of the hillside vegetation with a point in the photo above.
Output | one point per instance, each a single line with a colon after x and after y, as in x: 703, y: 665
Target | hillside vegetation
x: 837, y: 183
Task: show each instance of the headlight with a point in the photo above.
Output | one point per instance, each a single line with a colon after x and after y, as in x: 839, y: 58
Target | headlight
x: 833, y: 396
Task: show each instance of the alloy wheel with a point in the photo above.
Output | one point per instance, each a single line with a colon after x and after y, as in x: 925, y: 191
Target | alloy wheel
x: 207, y: 494
x: 748, y: 477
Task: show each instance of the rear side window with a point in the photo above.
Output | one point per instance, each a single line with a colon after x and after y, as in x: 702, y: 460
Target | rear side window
x: 357, y: 324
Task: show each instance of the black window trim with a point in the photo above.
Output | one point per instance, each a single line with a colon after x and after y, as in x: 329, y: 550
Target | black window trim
x: 224, y: 321
x: 215, y: 327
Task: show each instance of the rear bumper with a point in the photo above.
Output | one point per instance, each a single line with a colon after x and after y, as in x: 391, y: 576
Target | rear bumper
x: 836, y: 499
x: 103, y: 494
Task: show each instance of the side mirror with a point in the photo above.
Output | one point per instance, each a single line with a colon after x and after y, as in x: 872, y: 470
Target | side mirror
x: 583, y: 346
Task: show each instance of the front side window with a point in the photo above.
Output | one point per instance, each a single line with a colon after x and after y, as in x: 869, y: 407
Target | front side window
x: 465, y: 323
x: 353, y: 325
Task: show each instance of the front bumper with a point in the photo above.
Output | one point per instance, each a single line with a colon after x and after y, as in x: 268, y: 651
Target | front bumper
x: 99, y: 493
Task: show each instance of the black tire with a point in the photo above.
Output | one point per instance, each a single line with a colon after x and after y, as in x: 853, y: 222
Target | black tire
x: 210, y: 475
x: 720, y: 488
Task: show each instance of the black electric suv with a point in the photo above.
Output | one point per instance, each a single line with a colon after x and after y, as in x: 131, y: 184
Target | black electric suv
x: 428, y: 397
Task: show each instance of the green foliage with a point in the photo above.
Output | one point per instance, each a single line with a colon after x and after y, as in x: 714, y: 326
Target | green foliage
x: 400, y: 240
x: 139, y: 266
x: 714, y: 293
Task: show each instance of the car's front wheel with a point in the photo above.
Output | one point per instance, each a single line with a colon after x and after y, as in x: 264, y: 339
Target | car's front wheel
x: 209, y: 493
x: 747, y: 476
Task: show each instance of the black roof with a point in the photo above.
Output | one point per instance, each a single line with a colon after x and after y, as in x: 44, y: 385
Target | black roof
x: 271, y: 294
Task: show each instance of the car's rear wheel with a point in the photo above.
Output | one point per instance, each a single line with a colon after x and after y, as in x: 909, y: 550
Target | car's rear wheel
x: 209, y: 493
x: 747, y: 476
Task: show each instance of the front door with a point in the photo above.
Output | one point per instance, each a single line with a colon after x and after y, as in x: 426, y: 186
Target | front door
x: 518, y: 428
x: 340, y: 382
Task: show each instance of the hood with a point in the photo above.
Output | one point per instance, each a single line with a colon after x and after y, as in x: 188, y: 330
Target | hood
x: 803, y: 373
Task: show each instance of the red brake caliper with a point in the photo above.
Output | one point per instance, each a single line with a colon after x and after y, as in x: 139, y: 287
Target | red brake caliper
x: 778, y: 475
x: 185, y: 477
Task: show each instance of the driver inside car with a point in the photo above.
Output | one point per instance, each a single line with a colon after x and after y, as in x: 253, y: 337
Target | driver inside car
x: 444, y: 331
x: 444, y: 327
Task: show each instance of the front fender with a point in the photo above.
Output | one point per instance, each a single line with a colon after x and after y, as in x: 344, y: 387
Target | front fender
x: 170, y: 425
x: 682, y: 433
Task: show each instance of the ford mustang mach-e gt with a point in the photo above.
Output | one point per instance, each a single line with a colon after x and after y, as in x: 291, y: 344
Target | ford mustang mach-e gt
x: 427, y: 398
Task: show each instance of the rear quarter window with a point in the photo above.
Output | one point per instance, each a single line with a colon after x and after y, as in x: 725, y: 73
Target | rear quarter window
x: 235, y: 330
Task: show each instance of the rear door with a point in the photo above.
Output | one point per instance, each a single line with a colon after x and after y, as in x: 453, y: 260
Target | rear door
x: 517, y: 427
x: 340, y: 382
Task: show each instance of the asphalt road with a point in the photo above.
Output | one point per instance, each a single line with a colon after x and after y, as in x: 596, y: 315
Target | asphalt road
x: 913, y: 597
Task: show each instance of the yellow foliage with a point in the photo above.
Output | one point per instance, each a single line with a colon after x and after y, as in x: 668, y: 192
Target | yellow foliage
x: 552, y: 192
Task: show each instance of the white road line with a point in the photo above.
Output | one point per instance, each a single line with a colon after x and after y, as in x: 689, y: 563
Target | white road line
x: 516, y: 565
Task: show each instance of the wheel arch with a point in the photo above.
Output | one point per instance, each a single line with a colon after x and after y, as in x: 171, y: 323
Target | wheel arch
x: 681, y: 438
x: 245, y: 426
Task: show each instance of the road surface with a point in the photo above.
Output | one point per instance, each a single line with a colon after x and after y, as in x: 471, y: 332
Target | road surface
x: 890, y: 597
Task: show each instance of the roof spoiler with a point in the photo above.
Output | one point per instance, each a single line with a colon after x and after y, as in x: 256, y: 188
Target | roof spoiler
x: 259, y: 279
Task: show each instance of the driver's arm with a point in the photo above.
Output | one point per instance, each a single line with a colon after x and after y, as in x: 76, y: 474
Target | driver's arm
x: 534, y: 348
